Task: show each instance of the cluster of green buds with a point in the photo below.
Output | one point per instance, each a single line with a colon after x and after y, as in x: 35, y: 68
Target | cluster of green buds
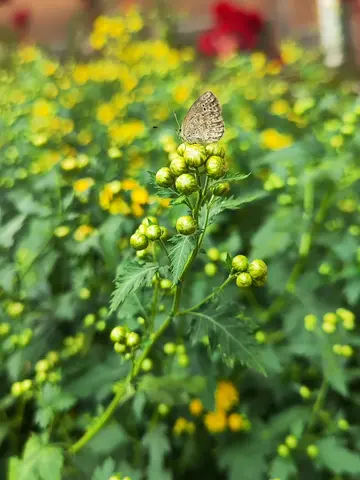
x: 96, y: 320
x: 45, y: 369
x: 125, y: 341
x: 180, y: 352
x: 187, y: 166
x: 247, y: 274
x: 148, y: 231
x: 73, y: 345
x: 24, y: 388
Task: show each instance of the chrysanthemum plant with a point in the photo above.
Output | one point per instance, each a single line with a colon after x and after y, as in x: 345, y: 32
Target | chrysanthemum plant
x: 157, y: 285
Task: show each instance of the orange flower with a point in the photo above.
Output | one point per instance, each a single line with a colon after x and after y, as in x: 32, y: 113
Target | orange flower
x: 226, y: 396
x: 235, y: 422
x: 82, y: 232
x: 83, y: 184
x: 215, y: 422
x: 196, y: 407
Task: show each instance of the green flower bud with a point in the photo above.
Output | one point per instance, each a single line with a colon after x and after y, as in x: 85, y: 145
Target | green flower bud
x: 165, y: 283
x: 178, y: 166
x: 243, y: 280
x: 118, y: 334
x: 173, y: 156
x: 143, y: 253
x: 42, y: 366
x: 100, y: 326
x: 213, y: 254
x: 180, y: 349
x: 169, y: 348
x: 127, y: 356
x: 195, y: 155
x: 215, y: 149
x: 147, y: 365
x: 138, y: 241
x: 163, y: 409
x: 141, y: 229
x: 141, y: 320
x: 40, y: 377
x: 291, y: 441
x: 132, y: 339
x: 221, y: 189
x: 16, y: 389
x: 164, y: 233
x: 181, y: 149
x: 89, y: 319
x: 186, y: 225
x: 215, y: 167
x: 259, y: 282
x: 312, y: 451
x: 240, y: 263
x: 210, y: 269
x: 343, y: 424
x: 257, y: 269
x: 153, y: 232
x: 150, y: 220
x: 283, y: 450
x: 186, y: 184
x: 119, y: 347
x: 164, y: 177
x: 26, y: 385
x: 183, y: 360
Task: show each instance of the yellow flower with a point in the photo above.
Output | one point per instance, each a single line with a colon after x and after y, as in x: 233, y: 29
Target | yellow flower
x: 118, y: 206
x: 235, y: 422
x: 215, y: 422
x: 105, y: 197
x: 129, y: 184
x: 69, y: 164
x: 196, y: 407
x: 274, y: 140
x: 61, y: 231
x: 126, y: 133
x: 115, y: 186
x: 290, y: 52
x: 27, y: 54
x: 280, y: 107
x: 258, y: 60
x: 50, y: 68
x: 180, y: 426
x: 83, y: 184
x: 134, y: 21
x: 81, y: 74
x: 105, y: 113
x: 82, y: 160
x: 226, y: 395
x: 137, y: 210
x: 347, y: 317
x: 82, y: 232
x: 84, y: 137
x: 97, y: 41
x: 14, y: 309
x: 42, y: 108
x: 330, y: 317
x: 140, y: 195
x: 273, y: 67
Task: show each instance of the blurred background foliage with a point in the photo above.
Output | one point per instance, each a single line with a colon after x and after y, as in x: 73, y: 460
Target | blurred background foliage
x: 78, y: 135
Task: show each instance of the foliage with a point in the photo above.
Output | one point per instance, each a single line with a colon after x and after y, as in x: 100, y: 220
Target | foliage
x: 149, y: 377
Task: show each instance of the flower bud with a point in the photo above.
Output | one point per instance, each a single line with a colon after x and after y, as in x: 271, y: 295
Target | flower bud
x: 132, y: 339
x: 153, y: 232
x: 283, y: 450
x: 215, y: 167
x: 186, y: 225
x: 138, y: 241
x: 150, y: 220
x: 141, y: 229
x: 169, y: 348
x: 174, y: 156
x: 118, y: 334
x: 259, y: 282
x: 210, y: 269
x: 181, y: 149
x: 178, y: 166
x: 221, y: 189
x: 312, y: 451
x: 183, y: 360
x: 143, y: 253
x: 164, y: 233
x: 244, y: 280
x: 164, y: 177
x: 186, y: 184
x: 215, y: 149
x: 240, y: 263
x: 257, y: 269
x: 163, y: 409
x: 147, y: 365
x: 165, y: 283
x: 195, y: 155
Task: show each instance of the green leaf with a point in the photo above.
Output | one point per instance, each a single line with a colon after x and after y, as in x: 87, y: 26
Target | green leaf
x: 234, y: 335
x: 51, y: 401
x: 243, y: 461
x: 40, y: 462
x: 162, y: 192
x: 231, y: 203
x: 333, y: 371
x: 108, y: 439
x: 104, y: 471
x: 232, y: 177
x: 337, y: 458
x: 131, y: 277
x: 171, y: 389
x: 283, y: 468
x: 9, y: 230
x: 14, y: 468
x: 158, y: 446
x: 179, y: 254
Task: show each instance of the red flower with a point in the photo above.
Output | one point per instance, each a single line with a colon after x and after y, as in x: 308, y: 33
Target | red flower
x: 235, y: 29
x: 21, y: 19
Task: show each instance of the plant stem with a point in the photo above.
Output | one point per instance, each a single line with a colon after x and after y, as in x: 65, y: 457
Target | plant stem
x: 320, y: 399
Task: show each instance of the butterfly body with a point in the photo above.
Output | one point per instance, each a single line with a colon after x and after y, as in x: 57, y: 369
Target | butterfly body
x: 203, y: 123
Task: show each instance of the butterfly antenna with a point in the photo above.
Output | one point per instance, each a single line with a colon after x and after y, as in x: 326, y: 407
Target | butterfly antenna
x: 176, y: 119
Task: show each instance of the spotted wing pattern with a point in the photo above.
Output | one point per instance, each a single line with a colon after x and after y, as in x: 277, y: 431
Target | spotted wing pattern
x: 203, y: 122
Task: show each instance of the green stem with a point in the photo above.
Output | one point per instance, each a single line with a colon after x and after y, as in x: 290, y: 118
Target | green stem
x: 154, y: 304
x: 320, y: 399
x: 209, y: 297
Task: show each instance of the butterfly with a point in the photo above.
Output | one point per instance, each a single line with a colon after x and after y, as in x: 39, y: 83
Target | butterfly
x: 203, y: 123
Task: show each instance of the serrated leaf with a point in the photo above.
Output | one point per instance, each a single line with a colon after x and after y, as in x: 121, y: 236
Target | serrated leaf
x: 131, y: 277
x: 40, y: 462
x: 104, y: 471
x: 162, y: 192
x: 283, y: 468
x: 158, y: 446
x: 179, y: 200
x: 231, y: 177
x: 171, y: 389
x: 337, y: 458
x: 245, y: 461
x: 10, y: 229
x: 179, y: 254
x: 234, y: 336
x: 333, y: 371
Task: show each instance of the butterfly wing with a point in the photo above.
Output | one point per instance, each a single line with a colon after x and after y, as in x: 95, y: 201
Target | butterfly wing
x: 203, y: 122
